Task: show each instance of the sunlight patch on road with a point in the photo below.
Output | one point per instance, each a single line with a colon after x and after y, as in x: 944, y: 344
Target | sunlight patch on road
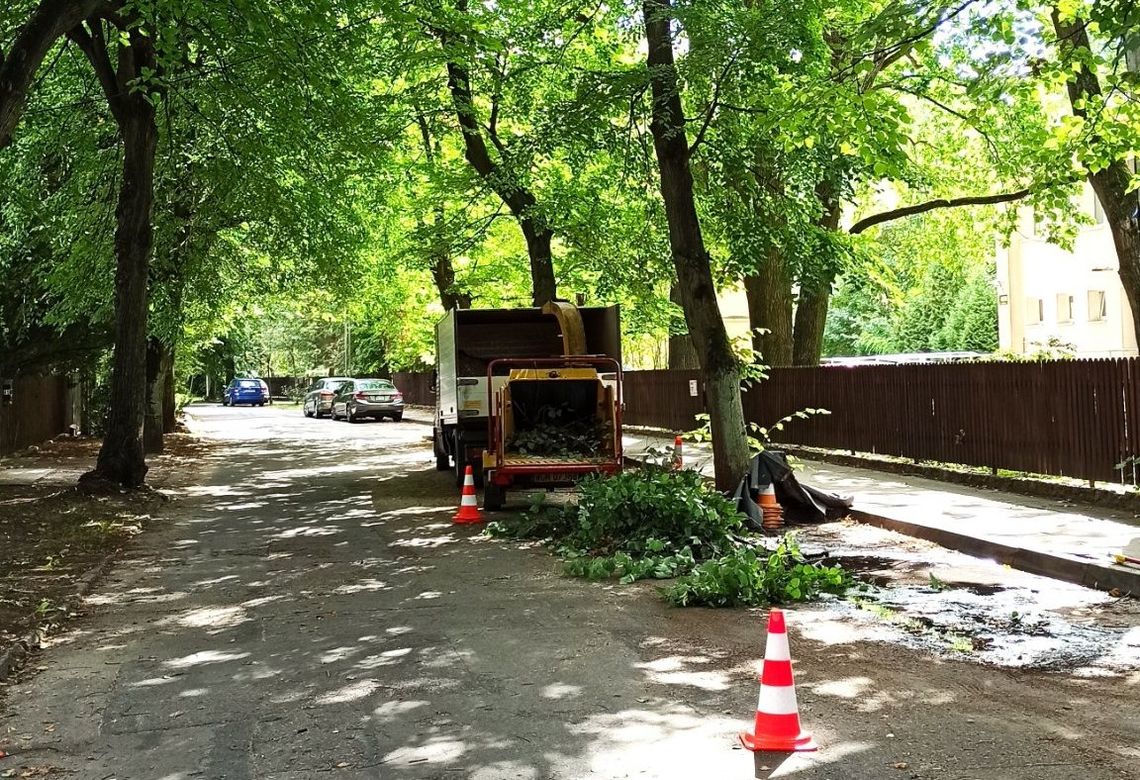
x: 361, y: 586
x: 442, y: 751
x: 352, y: 692
x: 847, y: 688
x: 561, y: 691
x: 215, y: 618
x: 392, y: 711
x: 203, y: 658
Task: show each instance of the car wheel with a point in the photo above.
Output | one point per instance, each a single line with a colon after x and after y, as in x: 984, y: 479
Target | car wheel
x: 305, y: 409
x: 397, y: 417
x: 350, y: 413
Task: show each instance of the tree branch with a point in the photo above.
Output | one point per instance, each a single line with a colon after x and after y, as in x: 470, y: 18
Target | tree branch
x: 49, y: 22
x: 94, y: 46
x: 713, y: 103
x: 938, y: 203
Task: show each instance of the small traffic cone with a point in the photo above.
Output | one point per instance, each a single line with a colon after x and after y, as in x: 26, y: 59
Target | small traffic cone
x: 773, y: 513
x: 468, y: 502
x: 777, y: 713
x: 677, y: 459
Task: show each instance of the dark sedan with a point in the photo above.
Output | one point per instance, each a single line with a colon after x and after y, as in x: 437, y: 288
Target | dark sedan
x: 374, y: 398
x: 319, y: 396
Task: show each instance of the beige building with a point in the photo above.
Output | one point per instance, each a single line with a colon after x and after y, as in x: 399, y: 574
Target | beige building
x: 1047, y: 295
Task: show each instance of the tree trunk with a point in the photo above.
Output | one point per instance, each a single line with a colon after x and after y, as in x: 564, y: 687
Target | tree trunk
x: 719, y: 366
x: 811, y: 318
x: 1112, y: 183
x: 815, y: 289
x: 769, y: 294
x: 121, y: 460
x: 682, y: 355
x: 169, y: 401
x: 159, y: 361
x: 541, y: 262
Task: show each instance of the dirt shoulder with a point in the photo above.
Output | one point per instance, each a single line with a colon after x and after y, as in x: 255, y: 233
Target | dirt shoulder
x: 56, y: 541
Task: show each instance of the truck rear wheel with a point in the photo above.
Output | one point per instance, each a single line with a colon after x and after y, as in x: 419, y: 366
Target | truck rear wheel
x: 442, y: 459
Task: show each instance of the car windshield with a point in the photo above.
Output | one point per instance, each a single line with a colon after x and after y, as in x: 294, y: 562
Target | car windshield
x: 249, y: 383
x: 375, y: 384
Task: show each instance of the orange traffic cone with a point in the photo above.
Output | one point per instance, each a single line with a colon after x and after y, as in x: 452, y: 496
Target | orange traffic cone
x: 677, y: 460
x: 773, y: 512
x: 777, y: 713
x: 468, y: 502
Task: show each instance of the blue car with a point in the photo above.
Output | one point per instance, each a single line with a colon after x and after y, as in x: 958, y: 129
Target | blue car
x: 246, y: 391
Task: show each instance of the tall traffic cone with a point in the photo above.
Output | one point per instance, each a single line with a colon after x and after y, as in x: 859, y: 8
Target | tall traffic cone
x: 777, y: 713
x: 677, y: 460
x: 468, y: 502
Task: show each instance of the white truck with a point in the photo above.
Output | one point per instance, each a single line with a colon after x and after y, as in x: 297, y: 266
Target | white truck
x: 467, y: 340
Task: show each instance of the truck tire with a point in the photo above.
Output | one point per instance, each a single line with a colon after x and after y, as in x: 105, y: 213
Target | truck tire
x: 493, y: 496
x: 442, y: 459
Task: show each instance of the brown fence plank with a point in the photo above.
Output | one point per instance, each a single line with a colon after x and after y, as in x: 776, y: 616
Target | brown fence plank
x: 38, y: 412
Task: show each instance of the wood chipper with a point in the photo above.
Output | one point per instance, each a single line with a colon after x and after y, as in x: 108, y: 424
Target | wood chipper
x: 553, y: 419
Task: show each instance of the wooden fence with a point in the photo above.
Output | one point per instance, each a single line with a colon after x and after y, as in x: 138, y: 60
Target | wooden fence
x: 38, y: 412
x: 418, y: 388
x: 1074, y: 418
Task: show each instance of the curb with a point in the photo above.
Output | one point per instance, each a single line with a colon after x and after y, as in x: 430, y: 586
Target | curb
x: 11, y: 658
x: 1033, y: 488
x: 1058, y: 567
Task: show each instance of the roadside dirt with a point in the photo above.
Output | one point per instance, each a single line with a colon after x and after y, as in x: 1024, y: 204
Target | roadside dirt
x: 55, y: 540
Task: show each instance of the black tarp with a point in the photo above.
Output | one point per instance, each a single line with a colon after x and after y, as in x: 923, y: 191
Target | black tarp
x: 802, y: 504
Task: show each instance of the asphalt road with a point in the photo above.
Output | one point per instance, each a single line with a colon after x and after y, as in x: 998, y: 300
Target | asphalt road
x: 308, y: 608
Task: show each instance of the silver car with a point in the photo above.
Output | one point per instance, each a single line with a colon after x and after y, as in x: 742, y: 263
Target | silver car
x: 319, y: 397
x: 375, y: 398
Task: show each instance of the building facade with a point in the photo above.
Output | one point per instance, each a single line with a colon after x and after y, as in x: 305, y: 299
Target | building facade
x: 1050, y: 298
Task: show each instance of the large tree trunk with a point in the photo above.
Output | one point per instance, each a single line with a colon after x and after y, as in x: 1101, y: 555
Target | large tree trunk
x: 769, y: 294
x: 682, y: 355
x: 121, y: 460
x: 48, y: 22
x: 815, y: 289
x: 719, y: 365
x: 1112, y: 183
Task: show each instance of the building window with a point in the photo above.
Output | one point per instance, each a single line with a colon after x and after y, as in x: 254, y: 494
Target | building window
x: 1098, y: 210
x: 1064, y: 308
x: 1034, y: 310
x: 1098, y: 310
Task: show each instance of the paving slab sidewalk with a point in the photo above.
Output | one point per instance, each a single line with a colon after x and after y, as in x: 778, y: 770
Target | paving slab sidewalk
x: 1053, y: 538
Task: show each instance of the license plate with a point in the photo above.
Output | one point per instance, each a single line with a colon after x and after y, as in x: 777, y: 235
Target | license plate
x: 379, y: 398
x: 551, y: 478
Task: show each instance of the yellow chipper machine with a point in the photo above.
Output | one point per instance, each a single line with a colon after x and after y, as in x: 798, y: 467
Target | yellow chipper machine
x: 553, y: 420
x: 550, y: 405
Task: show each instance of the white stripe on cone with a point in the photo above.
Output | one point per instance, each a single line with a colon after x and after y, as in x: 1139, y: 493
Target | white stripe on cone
x: 777, y: 700
x: 468, y: 499
x: 776, y: 648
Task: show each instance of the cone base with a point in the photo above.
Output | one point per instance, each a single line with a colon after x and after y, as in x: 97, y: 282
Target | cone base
x: 800, y: 743
x: 461, y: 519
